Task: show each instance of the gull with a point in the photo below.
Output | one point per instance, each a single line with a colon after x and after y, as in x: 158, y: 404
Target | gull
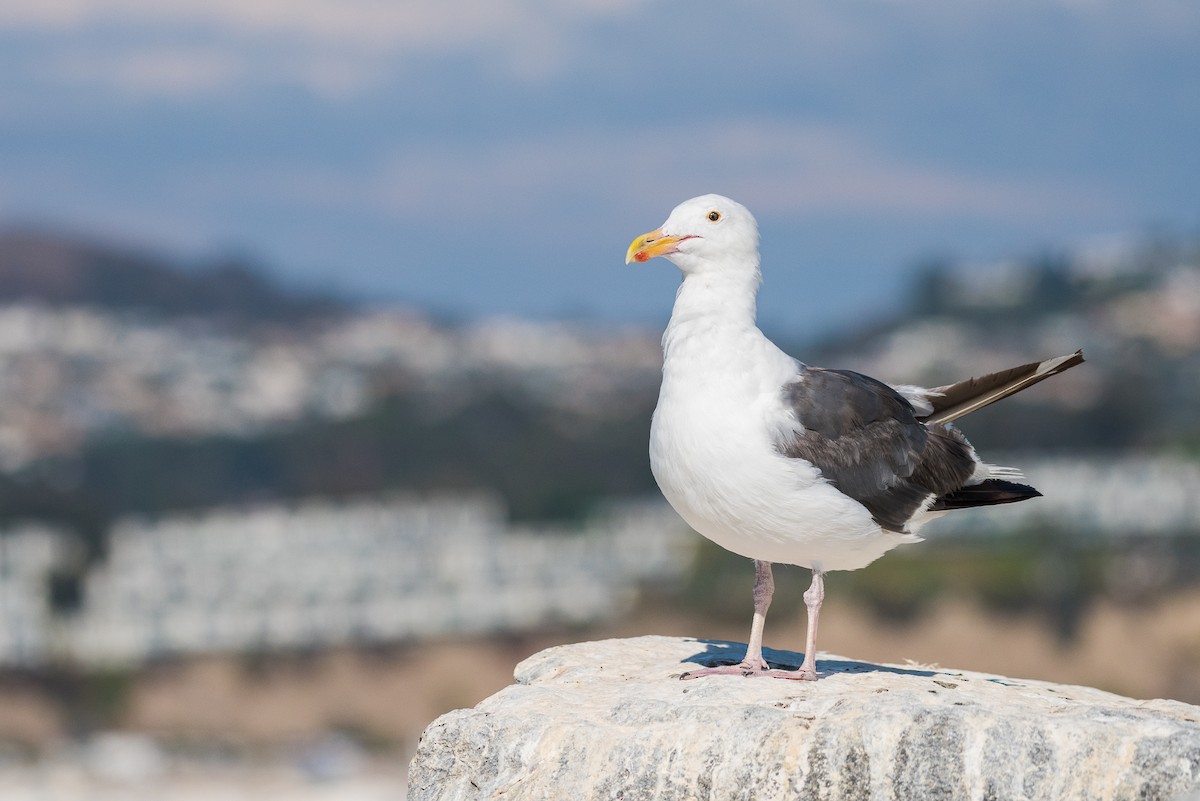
x: 783, y: 462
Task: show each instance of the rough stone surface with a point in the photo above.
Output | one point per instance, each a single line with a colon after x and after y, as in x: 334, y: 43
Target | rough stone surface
x: 611, y: 720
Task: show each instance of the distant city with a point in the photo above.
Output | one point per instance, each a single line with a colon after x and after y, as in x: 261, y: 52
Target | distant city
x: 181, y: 473
x: 401, y: 569
x: 319, y: 574
x: 75, y: 372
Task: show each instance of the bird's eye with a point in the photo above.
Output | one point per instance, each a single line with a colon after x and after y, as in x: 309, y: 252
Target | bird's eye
x: 714, y: 215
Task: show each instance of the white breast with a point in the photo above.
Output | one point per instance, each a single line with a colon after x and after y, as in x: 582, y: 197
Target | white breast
x: 712, y: 451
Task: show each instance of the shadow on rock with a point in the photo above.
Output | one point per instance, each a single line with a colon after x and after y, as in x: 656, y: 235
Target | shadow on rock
x: 722, y: 652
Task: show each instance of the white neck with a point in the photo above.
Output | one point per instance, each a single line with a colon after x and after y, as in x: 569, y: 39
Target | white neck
x: 709, y: 301
x: 727, y: 297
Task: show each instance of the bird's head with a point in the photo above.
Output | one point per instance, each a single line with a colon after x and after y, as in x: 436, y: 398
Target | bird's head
x: 704, y: 234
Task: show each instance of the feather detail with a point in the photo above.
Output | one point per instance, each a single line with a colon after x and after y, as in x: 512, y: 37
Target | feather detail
x: 991, y: 492
x: 956, y: 400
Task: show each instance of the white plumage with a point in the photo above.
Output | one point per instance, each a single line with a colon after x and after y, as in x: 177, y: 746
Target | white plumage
x: 734, y: 454
x: 712, y: 450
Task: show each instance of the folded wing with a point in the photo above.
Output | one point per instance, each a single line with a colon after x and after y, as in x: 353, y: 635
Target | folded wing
x: 867, y: 439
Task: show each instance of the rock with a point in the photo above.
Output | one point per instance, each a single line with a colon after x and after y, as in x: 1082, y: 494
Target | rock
x: 611, y: 720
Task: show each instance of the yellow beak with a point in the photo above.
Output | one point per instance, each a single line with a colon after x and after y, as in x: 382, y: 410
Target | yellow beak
x: 655, y: 243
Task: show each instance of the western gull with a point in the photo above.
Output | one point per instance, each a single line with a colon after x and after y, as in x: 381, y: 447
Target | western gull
x: 783, y: 462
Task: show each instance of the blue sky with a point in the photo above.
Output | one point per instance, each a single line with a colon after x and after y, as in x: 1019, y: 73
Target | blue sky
x: 496, y: 156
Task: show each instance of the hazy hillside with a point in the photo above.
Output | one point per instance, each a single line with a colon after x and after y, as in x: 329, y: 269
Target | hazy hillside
x: 42, y: 267
x: 103, y: 413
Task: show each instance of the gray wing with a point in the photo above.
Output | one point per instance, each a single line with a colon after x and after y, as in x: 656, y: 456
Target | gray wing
x: 866, y: 440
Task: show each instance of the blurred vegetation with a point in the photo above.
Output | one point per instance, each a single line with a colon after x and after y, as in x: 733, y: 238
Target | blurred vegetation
x: 495, y: 432
x: 1052, y: 574
x: 89, y: 699
x: 495, y: 440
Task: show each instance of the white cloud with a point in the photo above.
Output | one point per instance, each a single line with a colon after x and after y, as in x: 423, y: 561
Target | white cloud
x: 363, y: 22
x: 778, y: 167
x: 183, y: 72
x: 356, y: 44
x: 541, y: 186
x: 330, y: 46
x: 177, y: 72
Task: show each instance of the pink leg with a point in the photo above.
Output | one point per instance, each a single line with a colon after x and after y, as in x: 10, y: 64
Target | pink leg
x: 753, y: 664
x: 764, y: 590
x: 813, y: 597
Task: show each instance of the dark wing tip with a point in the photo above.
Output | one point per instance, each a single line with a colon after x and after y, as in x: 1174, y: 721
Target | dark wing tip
x: 990, y: 492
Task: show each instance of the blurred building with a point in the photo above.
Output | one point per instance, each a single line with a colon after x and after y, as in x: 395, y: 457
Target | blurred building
x: 318, y: 574
x: 403, y: 569
x: 29, y: 555
x: 68, y: 373
x: 1115, y: 499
